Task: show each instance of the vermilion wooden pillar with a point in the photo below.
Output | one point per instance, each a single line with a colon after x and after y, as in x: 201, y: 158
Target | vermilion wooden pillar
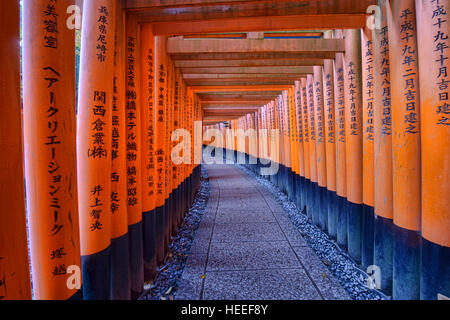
x: 120, y: 249
x: 306, y: 140
x: 330, y: 142
x: 353, y: 134
x: 341, y: 162
x: 301, y: 197
x: 314, y: 206
x: 148, y: 149
x: 368, y: 92
x: 321, y: 147
x: 14, y: 265
x: 383, y: 224
x: 160, y: 141
x: 433, y: 31
x: 94, y: 145
x: 406, y: 153
x: 133, y: 154
x: 49, y: 144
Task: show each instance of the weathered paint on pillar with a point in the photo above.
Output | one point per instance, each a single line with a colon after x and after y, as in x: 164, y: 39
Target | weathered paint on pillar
x: 14, y: 265
x: 148, y: 153
x: 406, y: 153
x: 120, y: 250
x: 50, y: 147
x: 94, y: 130
x: 353, y: 133
x: 433, y: 31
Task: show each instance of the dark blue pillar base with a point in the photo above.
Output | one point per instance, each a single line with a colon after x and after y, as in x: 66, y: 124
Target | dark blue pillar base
x: 435, y: 270
x: 354, y: 231
x: 332, y: 214
x: 120, y: 268
x: 406, y: 266
x: 342, y: 222
x: 383, y: 251
x: 159, y: 217
x: 135, y: 238
x: 315, y: 204
x: 149, y: 243
x: 323, y: 209
x: 166, y: 225
x: 368, y: 217
x: 96, y: 275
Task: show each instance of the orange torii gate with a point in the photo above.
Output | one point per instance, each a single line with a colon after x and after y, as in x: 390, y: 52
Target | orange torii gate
x: 361, y: 116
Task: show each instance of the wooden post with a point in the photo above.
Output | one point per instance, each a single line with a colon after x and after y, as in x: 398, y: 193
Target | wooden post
x: 120, y: 249
x: 330, y: 142
x: 405, y: 148
x: 433, y: 31
x: 94, y: 145
x: 353, y: 134
x: 148, y: 150
x: 14, y: 265
x: 314, y: 206
x: 383, y: 236
x: 341, y: 156
x: 133, y: 154
x: 368, y: 93
x: 321, y: 157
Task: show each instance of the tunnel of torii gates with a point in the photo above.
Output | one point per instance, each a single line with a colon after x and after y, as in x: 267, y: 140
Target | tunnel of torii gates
x: 360, y: 102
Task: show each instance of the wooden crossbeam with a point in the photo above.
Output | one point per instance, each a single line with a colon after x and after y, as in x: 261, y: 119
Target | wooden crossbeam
x: 250, y: 70
x: 246, y: 63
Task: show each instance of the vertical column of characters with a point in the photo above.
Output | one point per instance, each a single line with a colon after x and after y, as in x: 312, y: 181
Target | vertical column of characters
x: 406, y: 155
x: 306, y: 141
x: 176, y: 168
x: 120, y: 254
x: 160, y: 141
x: 314, y: 209
x: 353, y: 134
x: 94, y: 132
x: 321, y: 157
x: 133, y: 154
x: 383, y: 236
x: 341, y: 156
x: 330, y: 144
x: 300, y: 184
x: 14, y: 265
x: 147, y: 66
x: 368, y: 94
x: 294, y: 145
x: 433, y: 31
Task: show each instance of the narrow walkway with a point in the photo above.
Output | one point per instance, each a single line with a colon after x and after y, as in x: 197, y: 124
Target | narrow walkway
x: 247, y: 248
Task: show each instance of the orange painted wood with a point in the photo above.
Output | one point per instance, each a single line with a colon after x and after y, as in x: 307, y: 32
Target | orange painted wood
x: 50, y: 150
x: 329, y: 123
x: 14, y: 264
x: 319, y: 123
x: 353, y: 114
x: 368, y: 96
x: 406, y: 155
x: 434, y: 125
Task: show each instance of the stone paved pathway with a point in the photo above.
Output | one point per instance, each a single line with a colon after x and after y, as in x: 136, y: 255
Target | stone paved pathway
x: 246, y: 248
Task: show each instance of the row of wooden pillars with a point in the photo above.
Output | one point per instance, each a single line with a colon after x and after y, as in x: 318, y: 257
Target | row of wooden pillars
x: 102, y: 194
x: 364, y: 147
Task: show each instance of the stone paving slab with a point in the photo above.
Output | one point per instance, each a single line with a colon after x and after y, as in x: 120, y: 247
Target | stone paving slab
x: 247, y: 248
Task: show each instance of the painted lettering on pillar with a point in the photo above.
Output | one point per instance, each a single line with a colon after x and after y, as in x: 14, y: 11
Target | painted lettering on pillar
x: 319, y: 103
x: 369, y: 60
x: 305, y: 114
x: 115, y: 176
x: 440, y: 24
x: 340, y: 105
x: 299, y: 115
x: 176, y: 123
x: 385, y: 73
x: 150, y: 126
x: 312, y: 127
x: 52, y: 143
x: 352, y: 91
x: 409, y: 73
x: 101, y: 40
x: 160, y: 154
x: 131, y: 148
x: 329, y: 105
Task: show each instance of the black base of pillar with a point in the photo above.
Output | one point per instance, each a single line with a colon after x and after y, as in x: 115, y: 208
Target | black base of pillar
x: 149, y: 236
x: 368, y: 217
x: 354, y: 231
x: 120, y: 268
x: 383, y: 251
